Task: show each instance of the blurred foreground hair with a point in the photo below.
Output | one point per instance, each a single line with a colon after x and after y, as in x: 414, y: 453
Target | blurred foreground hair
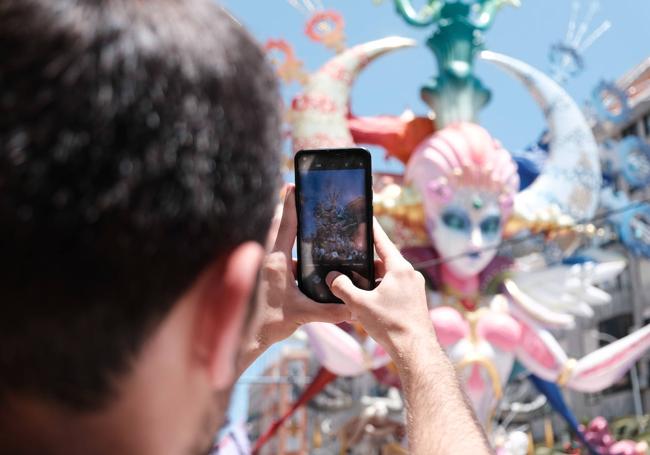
x: 138, y: 142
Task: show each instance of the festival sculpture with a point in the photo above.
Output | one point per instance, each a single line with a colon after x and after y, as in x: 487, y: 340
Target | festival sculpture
x: 487, y: 310
x: 492, y: 301
x: 629, y: 159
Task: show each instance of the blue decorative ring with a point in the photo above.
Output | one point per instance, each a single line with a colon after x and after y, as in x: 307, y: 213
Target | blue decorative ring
x: 598, y: 102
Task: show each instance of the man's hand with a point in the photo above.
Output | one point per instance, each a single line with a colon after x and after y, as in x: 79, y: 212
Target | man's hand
x: 439, y: 418
x: 396, y: 310
x: 281, y: 306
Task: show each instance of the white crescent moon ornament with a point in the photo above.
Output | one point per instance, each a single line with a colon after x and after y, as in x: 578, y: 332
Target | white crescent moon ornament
x: 571, y: 178
x: 318, y: 115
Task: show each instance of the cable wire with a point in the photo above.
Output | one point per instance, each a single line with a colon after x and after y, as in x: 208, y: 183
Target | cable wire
x: 518, y: 240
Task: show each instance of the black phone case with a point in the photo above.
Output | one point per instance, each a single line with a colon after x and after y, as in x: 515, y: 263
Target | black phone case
x: 369, y: 213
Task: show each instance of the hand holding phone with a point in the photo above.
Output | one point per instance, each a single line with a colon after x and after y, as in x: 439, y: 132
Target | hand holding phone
x: 395, y: 313
x: 334, y: 204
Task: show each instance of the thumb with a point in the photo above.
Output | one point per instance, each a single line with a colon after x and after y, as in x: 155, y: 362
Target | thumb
x: 343, y: 288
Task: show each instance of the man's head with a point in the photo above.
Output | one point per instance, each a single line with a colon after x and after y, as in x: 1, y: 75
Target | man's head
x: 139, y: 160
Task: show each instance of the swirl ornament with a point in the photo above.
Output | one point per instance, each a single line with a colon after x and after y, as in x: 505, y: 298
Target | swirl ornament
x: 605, y: 90
x: 488, y: 9
x: 634, y: 230
x: 631, y: 221
x: 433, y: 10
x: 426, y: 16
x: 289, y: 68
x: 327, y: 27
x: 634, y: 156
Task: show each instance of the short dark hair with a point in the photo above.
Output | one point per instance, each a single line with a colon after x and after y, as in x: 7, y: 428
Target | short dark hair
x: 139, y: 142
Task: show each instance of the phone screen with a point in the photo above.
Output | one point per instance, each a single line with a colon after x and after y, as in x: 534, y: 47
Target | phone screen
x: 334, y: 215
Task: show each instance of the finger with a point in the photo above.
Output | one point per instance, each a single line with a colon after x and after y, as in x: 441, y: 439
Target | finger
x: 289, y: 223
x: 343, y: 288
x: 386, y: 249
x: 294, y: 268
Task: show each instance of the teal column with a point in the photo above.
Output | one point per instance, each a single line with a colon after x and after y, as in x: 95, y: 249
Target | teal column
x: 455, y: 93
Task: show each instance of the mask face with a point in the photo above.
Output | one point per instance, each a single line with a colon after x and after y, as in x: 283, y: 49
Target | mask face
x: 467, y: 230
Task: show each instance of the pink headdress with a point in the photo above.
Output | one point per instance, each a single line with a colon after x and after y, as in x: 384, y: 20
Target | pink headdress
x: 463, y: 155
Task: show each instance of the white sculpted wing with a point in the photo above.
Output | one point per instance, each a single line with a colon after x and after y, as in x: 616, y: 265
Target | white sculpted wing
x: 553, y: 294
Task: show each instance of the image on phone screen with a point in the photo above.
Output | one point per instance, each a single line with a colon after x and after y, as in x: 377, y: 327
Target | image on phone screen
x: 333, y: 216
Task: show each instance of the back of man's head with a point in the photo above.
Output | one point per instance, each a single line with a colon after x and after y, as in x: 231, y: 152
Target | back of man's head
x: 138, y: 142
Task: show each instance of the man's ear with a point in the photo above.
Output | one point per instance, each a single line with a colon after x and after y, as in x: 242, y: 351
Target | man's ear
x: 226, y: 299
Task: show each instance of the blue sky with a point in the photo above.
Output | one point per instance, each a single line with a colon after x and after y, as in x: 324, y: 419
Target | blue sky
x: 391, y: 84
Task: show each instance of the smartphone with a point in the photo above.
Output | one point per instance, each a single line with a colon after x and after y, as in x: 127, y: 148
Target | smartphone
x: 334, y: 203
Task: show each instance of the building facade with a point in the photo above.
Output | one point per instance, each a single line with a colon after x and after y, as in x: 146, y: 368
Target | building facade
x: 628, y: 99
x: 268, y: 400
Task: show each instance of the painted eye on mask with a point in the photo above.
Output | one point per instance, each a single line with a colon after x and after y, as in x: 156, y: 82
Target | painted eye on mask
x: 491, y: 225
x: 456, y: 221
